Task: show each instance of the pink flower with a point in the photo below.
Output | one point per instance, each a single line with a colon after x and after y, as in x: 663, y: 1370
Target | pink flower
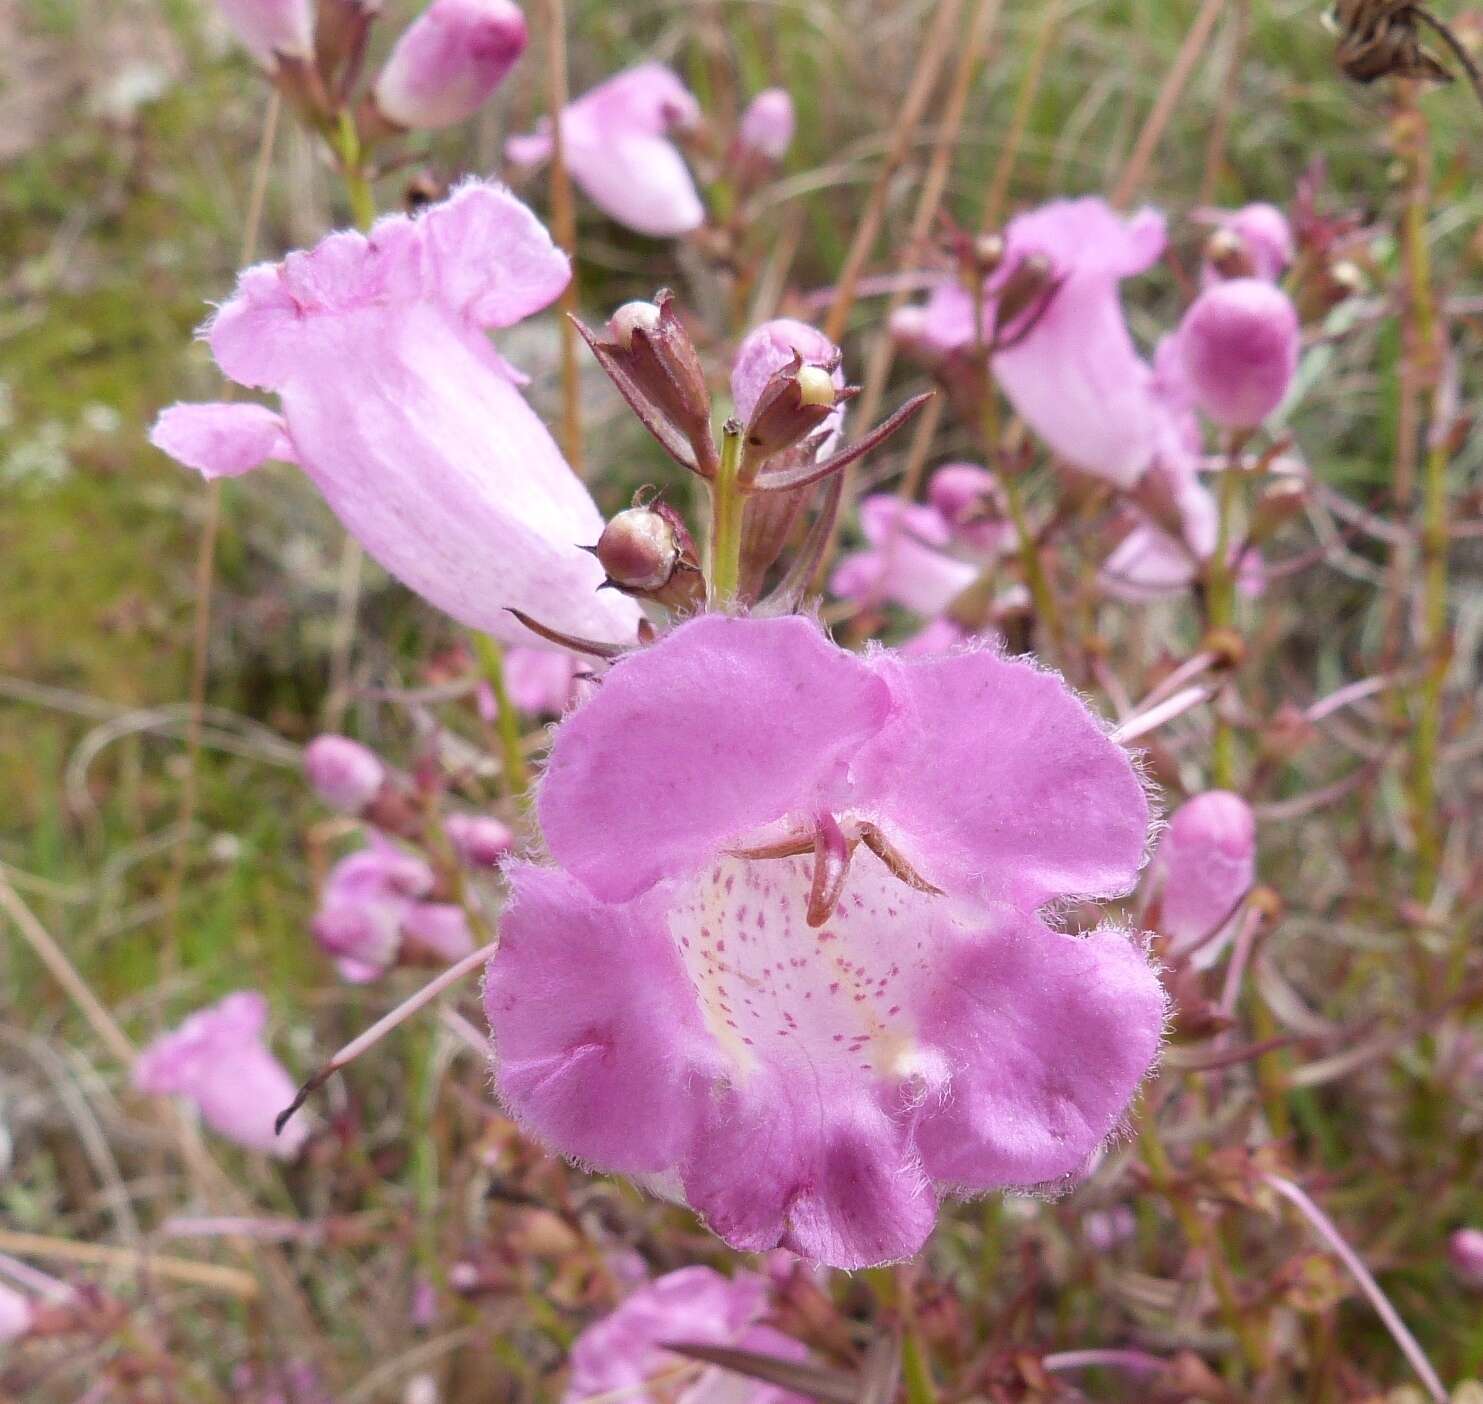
x: 1205, y: 864
x: 695, y: 1306
x: 943, y: 324
x: 1465, y: 1252
x: 1071, y: 371
x: 480, y: 840
x: 615, y: 140
x: 766, y: 126
x: 410, y: 424
x: 218, y: 1060
x: 448, y: 61
x: 1261, y: 237
x: 16, y: 1314
x: 542, y: 681
x: 343, y: 773
x: 969, y: 499
x: 373, y: 910
x: 269, y: 28
x: 1239, y: 344
x: 811, y: 1053
x: 905, y: 564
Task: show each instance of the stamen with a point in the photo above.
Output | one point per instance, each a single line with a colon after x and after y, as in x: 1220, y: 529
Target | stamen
x: 896, y: 864
x: 831, y: 866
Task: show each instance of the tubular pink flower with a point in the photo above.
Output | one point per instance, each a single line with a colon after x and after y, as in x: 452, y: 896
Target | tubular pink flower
x: 372, y: 911
x: 1205, y: 864
x: 766, y: 127
x: 1071, y: 370
x: 217, y: 1059
x: 969, y: 499
x: 624, y: 1351
x: 342, y: 772
x: 681, y: 1000
x: 1465, y: 1253
x: 407, y: 420
x: 1265, y: 238
x: 904, y: 564
x: 269, y: 28
x: 615, y: 141
x: 1239, y: 345
x: 449, y: 61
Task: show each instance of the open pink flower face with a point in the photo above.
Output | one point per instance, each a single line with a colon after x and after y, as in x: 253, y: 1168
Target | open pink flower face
x: 624, y: 1351
x: 218, y: 1060
x: 790, y: 965
x: 615, y: 141
x: 408, y: 421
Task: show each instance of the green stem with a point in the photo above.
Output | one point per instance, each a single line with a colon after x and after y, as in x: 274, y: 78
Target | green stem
x: 353, y: 172
x: 1035, y: 577
x: 1427, y: 731
x: 1202, y: 1236
x: 492, y: 661
x: 1221, y: 607
x: 728, y: 502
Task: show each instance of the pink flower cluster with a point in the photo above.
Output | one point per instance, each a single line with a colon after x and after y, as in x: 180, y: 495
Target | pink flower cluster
x: 1060, y: 349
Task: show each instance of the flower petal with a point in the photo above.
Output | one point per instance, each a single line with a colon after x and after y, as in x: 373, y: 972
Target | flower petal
x: 491, y: 257
x: 1000, y: 785
x: 595, y: 1023
x: 794, y: 1163
x: 723, y: 726
x: 1046, y: 1037
x: 222, y: 440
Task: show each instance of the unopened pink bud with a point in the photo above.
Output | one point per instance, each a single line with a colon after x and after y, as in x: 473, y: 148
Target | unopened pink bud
x: 1207, y: 859
x: 344, y: 774
x: 639, y: 549
x: 480, y: 840
x: 1239, y: 344
x: 767, y: 124
x: 449, y: 60
x: 270, y: 28
x: 1465, y: 1252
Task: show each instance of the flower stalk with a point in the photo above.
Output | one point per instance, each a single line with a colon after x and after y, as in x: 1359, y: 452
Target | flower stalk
x: 507, y: 723
x: 728, y: 502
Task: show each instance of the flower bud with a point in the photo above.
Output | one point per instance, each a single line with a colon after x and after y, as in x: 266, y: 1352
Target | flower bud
x: 1465, y: 1252
x: 343, y: 773
x: 651, y: 359
x: 766, y: 127
x: 480, y: 840
x: 448, y: 61
x: 1021, y: 295
x: 1227, y: 256
x: 1207, y: 863
x: 794, y: 403
x: 630, y: 318
x: 272, y: 28
x: 646, y: 551
x: 1239, y: 345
